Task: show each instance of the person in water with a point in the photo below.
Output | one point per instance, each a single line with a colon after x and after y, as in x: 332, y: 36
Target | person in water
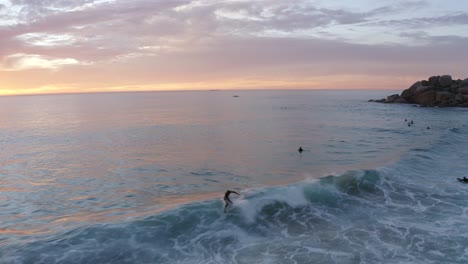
x: 463, y: 180
x: 300, y: 149
x: 227, y: 200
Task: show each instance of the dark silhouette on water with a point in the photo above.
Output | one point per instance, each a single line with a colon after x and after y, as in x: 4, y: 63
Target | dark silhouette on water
x: 428, y: 128
x: 411, y: 122
x: 300, y: 149
x: 463, y: 180
x: 227, y: 200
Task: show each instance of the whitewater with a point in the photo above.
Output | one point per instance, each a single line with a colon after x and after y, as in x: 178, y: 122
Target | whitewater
x: 139, y: 178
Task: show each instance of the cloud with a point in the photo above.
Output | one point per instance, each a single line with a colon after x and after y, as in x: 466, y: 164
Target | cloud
x: 281, y: 16
x: 396, y: 7
x: 100, y: 30
x: 425, y: 22
x: 256, y: 54
x: 19, y: 62
x: 422, y: 38
x: 184, y: 41
x: 47, y: 40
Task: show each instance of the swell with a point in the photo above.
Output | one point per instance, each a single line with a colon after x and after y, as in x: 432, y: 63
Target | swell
x: 201, y: 231
x: 411, y: 211
x: 356, y: 217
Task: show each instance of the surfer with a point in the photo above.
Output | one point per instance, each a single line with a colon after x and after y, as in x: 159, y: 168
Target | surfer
x: 300, y: 149
x: 227, y: 200
x: 462, y: 180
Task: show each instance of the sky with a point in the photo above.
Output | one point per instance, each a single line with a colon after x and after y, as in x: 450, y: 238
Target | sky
x: 69, y: 46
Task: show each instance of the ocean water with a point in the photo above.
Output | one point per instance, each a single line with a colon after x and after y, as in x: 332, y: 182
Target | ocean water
x: 139, y: 178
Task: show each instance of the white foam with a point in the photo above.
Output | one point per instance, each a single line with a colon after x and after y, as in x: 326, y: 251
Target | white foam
x: 250, y: 206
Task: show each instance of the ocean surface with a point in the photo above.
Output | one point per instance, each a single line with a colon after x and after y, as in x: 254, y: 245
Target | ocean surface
x: 139, y: 178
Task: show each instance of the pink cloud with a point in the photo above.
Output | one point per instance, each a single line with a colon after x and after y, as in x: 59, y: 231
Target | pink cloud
x: 183, y: 40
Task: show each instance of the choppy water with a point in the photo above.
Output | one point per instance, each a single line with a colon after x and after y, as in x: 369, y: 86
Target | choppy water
x: 139, y: 177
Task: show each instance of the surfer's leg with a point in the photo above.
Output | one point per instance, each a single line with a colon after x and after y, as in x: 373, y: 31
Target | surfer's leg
x: 225, y: 206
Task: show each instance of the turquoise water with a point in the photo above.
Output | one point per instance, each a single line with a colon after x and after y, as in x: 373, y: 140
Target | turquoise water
x: 139, y: 177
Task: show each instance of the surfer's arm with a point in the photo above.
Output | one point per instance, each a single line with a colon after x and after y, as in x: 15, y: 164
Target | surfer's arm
x: 236, y: 192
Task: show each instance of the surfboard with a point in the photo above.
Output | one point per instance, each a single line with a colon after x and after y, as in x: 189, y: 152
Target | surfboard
x: 229, y: 208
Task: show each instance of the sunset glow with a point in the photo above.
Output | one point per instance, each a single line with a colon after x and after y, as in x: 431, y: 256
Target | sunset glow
x: 143, y: 45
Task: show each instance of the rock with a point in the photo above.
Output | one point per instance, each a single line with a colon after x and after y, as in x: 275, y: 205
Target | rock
x: 443, y: 96
x: 463, y: 90
x: 459, y: 98
x: 437, y: 91
x: 426, y: 98
x: 409, y: 93
x: 433, y: 81
x: 392, y: 98
x: 422, y: 89
x: 383, y: 100
x: 400, y: 100
x: 452, y: 103
x: 464, y: 83
x: 445, y: 80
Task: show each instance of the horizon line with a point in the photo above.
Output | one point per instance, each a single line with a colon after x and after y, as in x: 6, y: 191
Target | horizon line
x: 200, y: 90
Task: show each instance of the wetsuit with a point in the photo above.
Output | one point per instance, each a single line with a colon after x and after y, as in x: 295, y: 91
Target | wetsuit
x: 226, y: 198
x: 463, y: 180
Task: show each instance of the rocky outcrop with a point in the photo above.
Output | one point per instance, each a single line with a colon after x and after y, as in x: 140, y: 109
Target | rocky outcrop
x: 464, y: 83
x: 445, y: 80
x: 440, y: 91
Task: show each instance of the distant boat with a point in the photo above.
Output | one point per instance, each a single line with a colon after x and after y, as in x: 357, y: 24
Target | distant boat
x: 235, y: 96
